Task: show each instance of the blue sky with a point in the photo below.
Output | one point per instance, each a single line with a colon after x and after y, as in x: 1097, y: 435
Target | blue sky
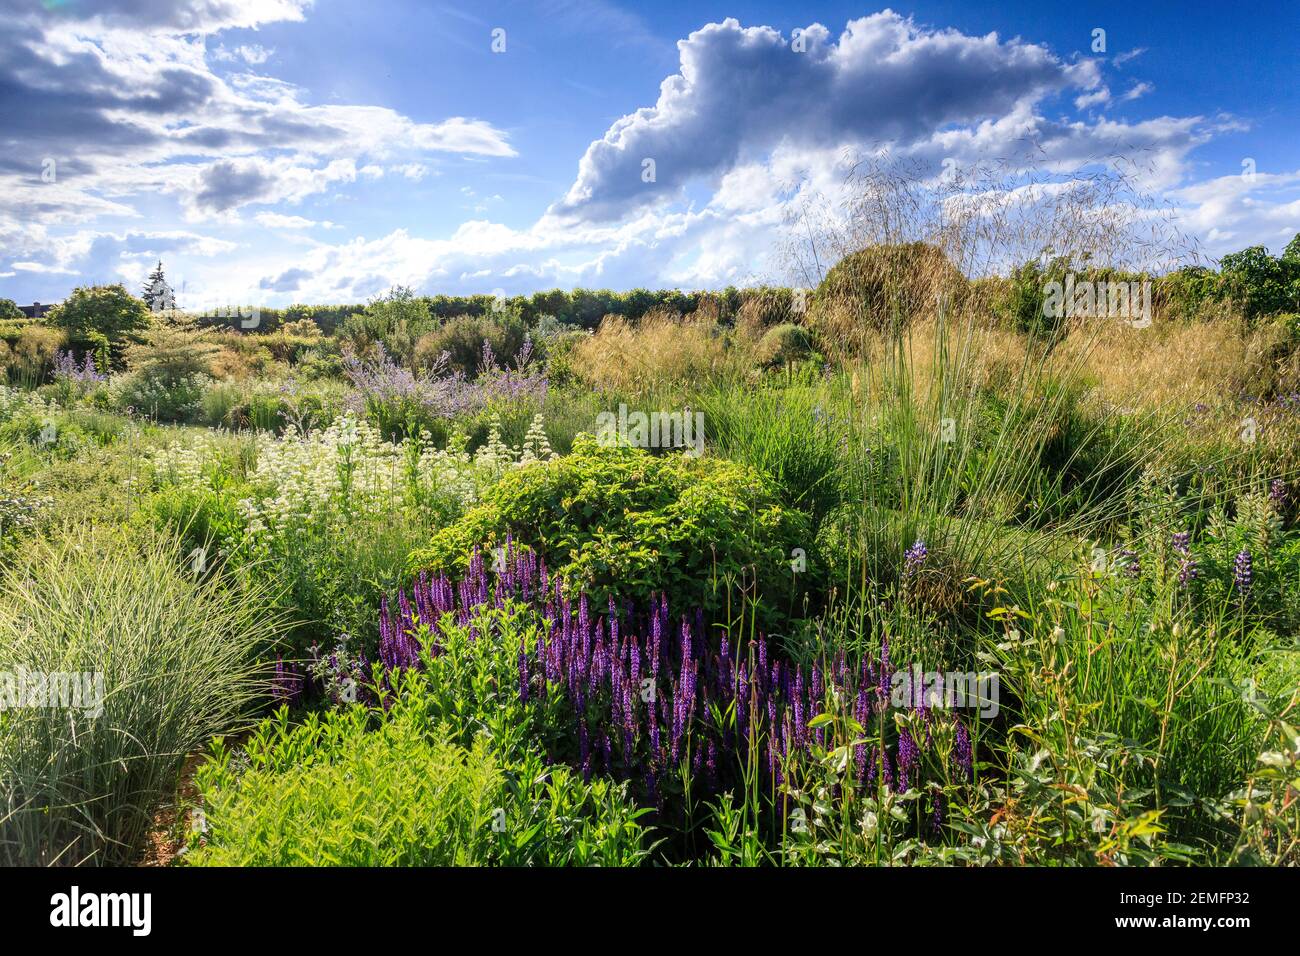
x: 276, y: 151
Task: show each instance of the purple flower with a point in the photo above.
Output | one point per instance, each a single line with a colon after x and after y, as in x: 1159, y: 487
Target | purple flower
x: 1242, y: 571
x: 287, y: 685
x: 914, y: 557
x: 908, y: 757
x: 962, y: 752
x: 1277, y: 493
x: 1132, y: 563
x: 65, y: 367
x: 523, y: 676
x: 1187, y: 569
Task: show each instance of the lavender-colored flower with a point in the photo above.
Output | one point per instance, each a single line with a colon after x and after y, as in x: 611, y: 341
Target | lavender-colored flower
x: 914, y: 557
x: 1187, y: 565
x: 1277, y: 494
x: 936, y: 817
x: 1242, y: 571
x: 1132, y: 563
x: 65, y: 367
x: 596, y: 665
x: 288, y: 683
x: 908, y: 757
x: 962, y: 751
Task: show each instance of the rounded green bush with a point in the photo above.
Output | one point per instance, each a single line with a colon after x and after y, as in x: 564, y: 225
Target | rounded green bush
x: 618, y: 521
x: 784, y: 344
x: 882, y: 287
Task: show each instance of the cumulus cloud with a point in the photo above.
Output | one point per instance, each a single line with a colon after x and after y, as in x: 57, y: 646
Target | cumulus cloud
x: 1253, y: 207
x: 164, y: 16
x: 287, y: 281
x: 119, y: 96
x: 275, y: 220
x: 741, y: 89
x: 227, y: 185
x: 254, y: 54
x: 1094, y: 98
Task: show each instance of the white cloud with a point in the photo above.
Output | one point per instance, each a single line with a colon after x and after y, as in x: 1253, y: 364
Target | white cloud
x: 1122, y: 58
x: 742, y: 90
x: 254, y: 54
x: 413, y: 171
x: 1138, y: 90
x: 1097, y: 97
x: 275, y: 220
x: 744, y: 135
x: 1233, y: 211
x: 124, y: 102
x: 163, y: 16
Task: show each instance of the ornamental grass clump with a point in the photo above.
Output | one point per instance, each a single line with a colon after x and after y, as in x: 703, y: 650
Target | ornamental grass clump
x: 171, y: 660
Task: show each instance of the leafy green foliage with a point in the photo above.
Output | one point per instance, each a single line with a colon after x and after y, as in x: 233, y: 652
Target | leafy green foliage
x: 618, y: 520
x: 108, y: 310
x: 1260, y: 283
x: 441, y: 776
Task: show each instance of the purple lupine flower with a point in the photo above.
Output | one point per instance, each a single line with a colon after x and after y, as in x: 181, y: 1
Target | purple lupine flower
x: 914, y: 557
x: 1182, y: 542
x: 1277, y: 494
x: 1242, y: 571
x: 1132, y: 563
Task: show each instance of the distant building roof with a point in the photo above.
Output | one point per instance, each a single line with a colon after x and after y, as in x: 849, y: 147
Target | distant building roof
x: 35, y: 310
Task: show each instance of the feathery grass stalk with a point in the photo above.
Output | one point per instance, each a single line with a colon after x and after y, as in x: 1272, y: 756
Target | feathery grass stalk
x: 178, y: 659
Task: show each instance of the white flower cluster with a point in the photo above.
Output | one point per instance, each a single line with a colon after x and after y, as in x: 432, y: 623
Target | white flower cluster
x: 348, y: 471
x: 14, y: 402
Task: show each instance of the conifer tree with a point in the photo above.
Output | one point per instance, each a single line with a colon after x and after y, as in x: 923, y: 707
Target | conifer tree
x: 154, y: 288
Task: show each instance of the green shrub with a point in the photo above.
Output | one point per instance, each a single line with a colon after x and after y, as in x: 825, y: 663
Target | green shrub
x: 108, y: 310
x: 396, y: 321
x: 177, y: 399
x: 1260, y: 283
x: 462, y: 339
x: 394, y: 788
x: 881, y: 288
x: 784, y: 345
x: 620, y: 520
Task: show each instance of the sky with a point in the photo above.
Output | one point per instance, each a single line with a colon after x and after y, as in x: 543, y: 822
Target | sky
x: 321, y: 151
